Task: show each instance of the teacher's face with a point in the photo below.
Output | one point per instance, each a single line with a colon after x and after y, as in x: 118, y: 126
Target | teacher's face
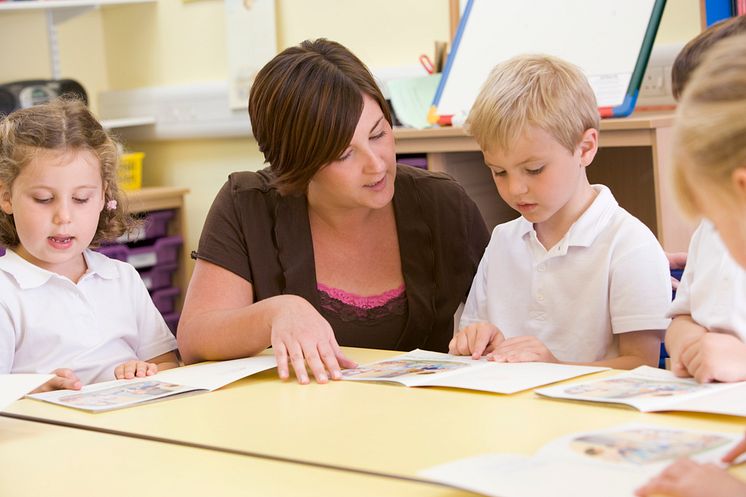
x: 363, y: 175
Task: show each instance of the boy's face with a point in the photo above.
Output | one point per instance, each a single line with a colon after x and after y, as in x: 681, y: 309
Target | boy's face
x: 540, y: 178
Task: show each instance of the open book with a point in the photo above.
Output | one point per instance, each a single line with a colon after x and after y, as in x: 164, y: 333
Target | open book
x: 650, y: 389
x: 116, y: 394
x: 15, y: 386
x: 421, y: 368
x: 611, y: 462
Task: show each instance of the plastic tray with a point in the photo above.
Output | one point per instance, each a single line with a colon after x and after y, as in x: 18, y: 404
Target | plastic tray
x: 159, y: 276
x: 155, y: 225
x: 164, y: 251
x: 165, y: 299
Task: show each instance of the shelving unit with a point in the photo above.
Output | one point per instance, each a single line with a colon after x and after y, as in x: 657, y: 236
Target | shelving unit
x: 161, y: 198
x: 59, y: 11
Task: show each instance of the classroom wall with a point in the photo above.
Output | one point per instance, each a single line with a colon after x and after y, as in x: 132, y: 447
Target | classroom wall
x: 173, y: 42
x: 203, y: 165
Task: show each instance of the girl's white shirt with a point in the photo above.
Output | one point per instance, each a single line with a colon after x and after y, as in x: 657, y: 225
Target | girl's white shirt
x: 49, y: 322
x: 713, y: 287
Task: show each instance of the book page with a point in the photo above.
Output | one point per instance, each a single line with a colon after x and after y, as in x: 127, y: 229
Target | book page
x: 112, y: 394
x: 213, y: 375
x: 611, y: 462
x: 646, y: 389
x: 415, y: 368
x: 15, y: 386
x: 507, y: 378
x: 422, y: 368
x: 123, y: 393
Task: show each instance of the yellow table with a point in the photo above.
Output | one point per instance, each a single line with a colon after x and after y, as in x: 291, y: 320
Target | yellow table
x: 375, y: 427
x: 39, y: 459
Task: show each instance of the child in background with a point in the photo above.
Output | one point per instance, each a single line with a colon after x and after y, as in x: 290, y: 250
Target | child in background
x: 64, y: 308
x: 713, y: 287
x: 576, y: 278
x: 710, y: 178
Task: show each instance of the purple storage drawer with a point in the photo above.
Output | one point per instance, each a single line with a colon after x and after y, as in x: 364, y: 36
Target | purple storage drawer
x: 2, y: 251
x: 155, y: 225
x: 165, y: 299
x: 159, y: 276
x: 163, y: 251
x: 172, y: 321
x: 414, y: 161
x: 118, y: 252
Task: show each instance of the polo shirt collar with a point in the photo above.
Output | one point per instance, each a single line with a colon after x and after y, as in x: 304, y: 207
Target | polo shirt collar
x: 589, y: 225
x: 28, y: 275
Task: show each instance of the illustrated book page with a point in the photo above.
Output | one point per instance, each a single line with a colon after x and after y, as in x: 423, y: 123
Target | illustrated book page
x: 423, y: 368
x: 116, y: 394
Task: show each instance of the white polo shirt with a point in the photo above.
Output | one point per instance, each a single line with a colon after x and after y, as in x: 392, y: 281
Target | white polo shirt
x: 607, y: 275
x: 49, y: 322
x: 713, y: 286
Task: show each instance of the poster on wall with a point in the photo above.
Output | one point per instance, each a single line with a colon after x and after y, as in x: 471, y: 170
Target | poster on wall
x: 251, y: 39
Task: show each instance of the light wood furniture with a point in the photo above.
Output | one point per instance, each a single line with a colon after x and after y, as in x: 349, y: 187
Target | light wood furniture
x: 41, y: 459
x: 633, y: 160
x: 159, y: 198
x: 375, y: 427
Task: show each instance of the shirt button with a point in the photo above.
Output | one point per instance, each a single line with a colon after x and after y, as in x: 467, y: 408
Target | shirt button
x: 540, y: 297
x: 542, y: 267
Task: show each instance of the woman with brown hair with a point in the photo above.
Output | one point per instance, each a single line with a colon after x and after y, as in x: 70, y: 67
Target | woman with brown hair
x: 333, y: 243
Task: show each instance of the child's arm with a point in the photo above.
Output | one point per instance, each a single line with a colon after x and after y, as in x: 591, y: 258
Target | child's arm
x: 139, y: 369
x: 686, y: 478
x: 682, y: 331
x: 476, y: 339
x: 64, y: 379
x: 715, y: 357
x: 636, y: 348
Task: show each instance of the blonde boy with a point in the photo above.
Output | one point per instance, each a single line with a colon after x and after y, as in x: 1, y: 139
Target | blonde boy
x: 576, y: 278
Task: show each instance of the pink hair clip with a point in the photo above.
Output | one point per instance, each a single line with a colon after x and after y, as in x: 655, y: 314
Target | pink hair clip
x: 111, y: 205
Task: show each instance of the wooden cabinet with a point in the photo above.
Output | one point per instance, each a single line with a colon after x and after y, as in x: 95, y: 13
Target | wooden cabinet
x: 633, y: 160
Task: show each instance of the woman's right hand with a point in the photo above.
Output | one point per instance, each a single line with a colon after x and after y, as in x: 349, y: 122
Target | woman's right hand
x: 299, y: 333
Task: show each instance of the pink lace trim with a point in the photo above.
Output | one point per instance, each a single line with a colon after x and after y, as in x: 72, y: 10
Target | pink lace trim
x: 358, y: 300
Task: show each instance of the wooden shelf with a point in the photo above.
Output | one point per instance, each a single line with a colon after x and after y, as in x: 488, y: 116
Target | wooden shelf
x: 63, y: 4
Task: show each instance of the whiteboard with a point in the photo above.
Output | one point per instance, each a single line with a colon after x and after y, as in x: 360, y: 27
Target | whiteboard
x: 610, y: 40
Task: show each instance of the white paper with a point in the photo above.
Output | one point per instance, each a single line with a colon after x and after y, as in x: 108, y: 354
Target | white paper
x: 424, y: 368
x: 15, y: 386
x: 116, y: 394
x: 611, y: 462
x: 651, y: 389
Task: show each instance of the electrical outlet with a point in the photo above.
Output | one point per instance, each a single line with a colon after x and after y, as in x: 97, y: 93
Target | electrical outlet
x: 655, y: 88
x: 181, y: 111
x: 654, y: 81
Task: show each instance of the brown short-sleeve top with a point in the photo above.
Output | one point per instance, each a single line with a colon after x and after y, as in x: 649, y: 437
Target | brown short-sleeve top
x: 265, y: 238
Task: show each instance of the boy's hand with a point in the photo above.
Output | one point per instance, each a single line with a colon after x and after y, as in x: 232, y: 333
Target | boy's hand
x: 522, y: 349
x: 715, y: 357
x: 476, y: 340
x: 64, y: 379
x: 135, y: 369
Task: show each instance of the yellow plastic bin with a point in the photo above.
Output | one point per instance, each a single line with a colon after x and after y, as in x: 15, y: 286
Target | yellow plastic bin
x: 130, y: 171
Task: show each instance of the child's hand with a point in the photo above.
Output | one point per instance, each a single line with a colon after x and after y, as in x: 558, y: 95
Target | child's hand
x: 476, y: 339
x: 64, y: 379
x: 736, y: 451
x: 715, y: 357
x: 522, y: 349
x: 686, y: 478
x: 133, y: 369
